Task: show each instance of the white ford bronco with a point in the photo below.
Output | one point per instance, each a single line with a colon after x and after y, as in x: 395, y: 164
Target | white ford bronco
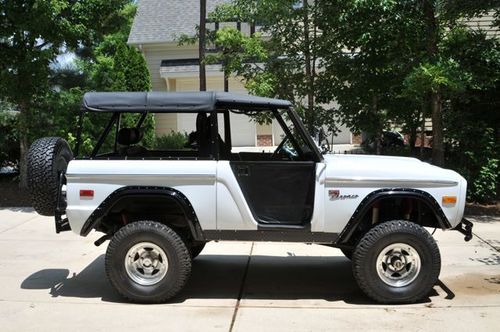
x: 159, y: 207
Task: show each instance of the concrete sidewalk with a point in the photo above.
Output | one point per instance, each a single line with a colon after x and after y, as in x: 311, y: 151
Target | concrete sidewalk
x: 53, y: 282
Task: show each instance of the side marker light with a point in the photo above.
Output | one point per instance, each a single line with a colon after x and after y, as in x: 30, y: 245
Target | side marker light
x: 449, y: 200
x: 86, y: 193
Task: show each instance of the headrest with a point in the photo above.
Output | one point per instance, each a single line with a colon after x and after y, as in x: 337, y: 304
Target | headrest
x: 201, y: 122
x: 129, y: 136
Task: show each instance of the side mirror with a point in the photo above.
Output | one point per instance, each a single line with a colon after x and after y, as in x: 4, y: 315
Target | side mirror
x: 323, y: 144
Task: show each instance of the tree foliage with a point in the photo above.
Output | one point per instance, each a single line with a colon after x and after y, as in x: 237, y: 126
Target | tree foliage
x: 366, y: 52
x: 9, y: 136
x: 115, y: 66
x: 471, y: 114
x: 381, y: 64
x: 280, y: 61
x: 132, y: 74
x: 34, y: 32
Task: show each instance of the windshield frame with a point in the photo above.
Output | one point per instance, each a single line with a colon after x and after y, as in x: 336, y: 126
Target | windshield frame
x: 302, y: 131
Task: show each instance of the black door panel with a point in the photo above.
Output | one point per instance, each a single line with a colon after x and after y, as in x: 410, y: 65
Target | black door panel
x: 280, y: 193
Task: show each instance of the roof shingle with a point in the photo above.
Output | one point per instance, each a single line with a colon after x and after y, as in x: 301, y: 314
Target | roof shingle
x: 162, y: 21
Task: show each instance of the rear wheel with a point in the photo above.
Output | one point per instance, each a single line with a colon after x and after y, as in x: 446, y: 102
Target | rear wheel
x: 396, y: 262
x: 147, y: 262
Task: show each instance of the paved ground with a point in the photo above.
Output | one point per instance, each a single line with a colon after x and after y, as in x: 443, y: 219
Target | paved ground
x: 51, y: 282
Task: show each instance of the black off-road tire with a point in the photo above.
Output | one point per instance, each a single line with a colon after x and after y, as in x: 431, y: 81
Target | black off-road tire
x: 179, y: 262
x: 347, y: 253
x: 196, y: 249
x: 46, y: 158
x: 380, y: 237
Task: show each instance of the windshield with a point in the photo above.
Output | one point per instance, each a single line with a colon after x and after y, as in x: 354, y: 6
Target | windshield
x: 286, y: 137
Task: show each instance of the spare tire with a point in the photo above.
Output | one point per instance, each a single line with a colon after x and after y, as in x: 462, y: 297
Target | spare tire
x: 47, y: 157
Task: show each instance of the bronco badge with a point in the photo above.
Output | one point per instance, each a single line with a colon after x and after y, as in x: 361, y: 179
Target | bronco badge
x: 335, y: 194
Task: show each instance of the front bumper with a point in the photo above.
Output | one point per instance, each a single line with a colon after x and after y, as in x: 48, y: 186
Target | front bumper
x: 465, y: 227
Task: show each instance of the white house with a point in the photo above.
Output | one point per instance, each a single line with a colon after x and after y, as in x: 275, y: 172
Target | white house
x: 155, y: 31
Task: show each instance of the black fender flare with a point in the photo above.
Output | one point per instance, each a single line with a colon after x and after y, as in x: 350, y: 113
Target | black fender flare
x: 140, y: 191
x: 376, y: 195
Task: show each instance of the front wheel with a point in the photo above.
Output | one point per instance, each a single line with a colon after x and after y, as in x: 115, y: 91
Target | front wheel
x: 147, y: 262
x: 347, y: 253
x: 396, y: 262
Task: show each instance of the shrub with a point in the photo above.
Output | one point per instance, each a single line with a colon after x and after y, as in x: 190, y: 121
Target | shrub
x: 474, y: 154
x: 485, y: 183
x: 9, y: 138
x: 172, y: 141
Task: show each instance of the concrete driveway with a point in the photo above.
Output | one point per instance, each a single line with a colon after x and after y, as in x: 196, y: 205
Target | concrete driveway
x: 53, y: 282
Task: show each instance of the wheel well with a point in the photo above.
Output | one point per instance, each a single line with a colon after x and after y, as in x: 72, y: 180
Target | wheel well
x: 130, y: 204
x: 415, y: 206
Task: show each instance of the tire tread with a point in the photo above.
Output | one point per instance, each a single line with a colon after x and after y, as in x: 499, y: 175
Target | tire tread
x: 42, y: 182
x: 385, y: 229
x: 177, y: 242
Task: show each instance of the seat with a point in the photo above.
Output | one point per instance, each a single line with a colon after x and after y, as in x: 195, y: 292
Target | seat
x: 203, y: 134
x: 200, y: 139
x: 130, y: 136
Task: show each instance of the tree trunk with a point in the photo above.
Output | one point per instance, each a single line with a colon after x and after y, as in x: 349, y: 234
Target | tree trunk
x: 437, y: 130
x: 23, y: 145
x: 201, y: 45
x: 436, y: 108
x: 378, y: 144
x: 226, y: 81
x: 308, y: 69
x: 422, y: 133
x: 413, y: 138
x: 378, y: 129
x: 23, y: 167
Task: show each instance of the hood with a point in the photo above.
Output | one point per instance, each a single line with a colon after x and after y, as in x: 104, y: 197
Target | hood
x: 387, y: 171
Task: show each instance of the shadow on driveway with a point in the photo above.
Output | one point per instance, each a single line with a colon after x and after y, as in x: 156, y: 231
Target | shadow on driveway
x: 220, y: 277
x: 91, y: 282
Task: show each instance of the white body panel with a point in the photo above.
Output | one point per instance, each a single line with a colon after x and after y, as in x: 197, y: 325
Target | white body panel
x: 195, y: 179
x: 233, y: 212
x: 363, y: 174
x: 212, y: 188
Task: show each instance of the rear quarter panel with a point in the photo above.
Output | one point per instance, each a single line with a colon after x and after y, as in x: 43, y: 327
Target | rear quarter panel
x: 194, y: 178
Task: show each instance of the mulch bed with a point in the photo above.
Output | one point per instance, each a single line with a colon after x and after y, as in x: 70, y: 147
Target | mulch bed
x: 482, y: 210
x: 12, y: 196
x: 10, y: 193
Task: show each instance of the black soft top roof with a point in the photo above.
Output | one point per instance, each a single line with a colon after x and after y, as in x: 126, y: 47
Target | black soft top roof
x: 175, y: 101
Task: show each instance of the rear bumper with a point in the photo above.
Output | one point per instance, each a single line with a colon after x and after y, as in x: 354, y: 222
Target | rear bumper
x: 62, y: 225
x: 465, y: 227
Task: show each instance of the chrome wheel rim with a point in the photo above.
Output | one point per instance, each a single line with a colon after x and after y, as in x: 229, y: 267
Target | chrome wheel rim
x: 398, y: 264
x: 146, y: 263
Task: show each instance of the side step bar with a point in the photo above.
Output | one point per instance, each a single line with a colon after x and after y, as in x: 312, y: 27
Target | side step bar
x: 465, y: 227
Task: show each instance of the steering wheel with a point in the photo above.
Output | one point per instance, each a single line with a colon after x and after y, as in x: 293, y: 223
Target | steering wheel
x: 282, y: 149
